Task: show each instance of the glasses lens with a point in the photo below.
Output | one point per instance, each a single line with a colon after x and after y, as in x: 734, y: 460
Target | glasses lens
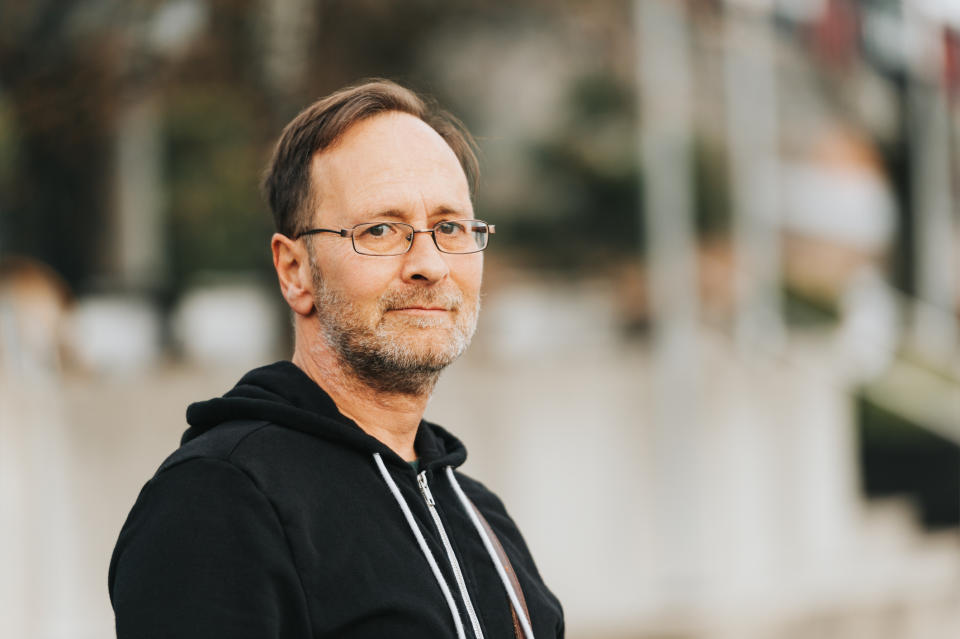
x: 382, y: 238
x: 461, y: 236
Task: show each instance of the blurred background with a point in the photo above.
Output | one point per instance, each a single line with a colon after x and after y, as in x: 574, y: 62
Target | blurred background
x: 720, y: 350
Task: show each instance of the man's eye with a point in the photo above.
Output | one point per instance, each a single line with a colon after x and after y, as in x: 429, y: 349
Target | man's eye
x: 379, y: 230
x: 449, y: 228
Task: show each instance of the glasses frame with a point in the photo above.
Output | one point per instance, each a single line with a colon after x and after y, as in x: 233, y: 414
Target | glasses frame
x: 491, y: 229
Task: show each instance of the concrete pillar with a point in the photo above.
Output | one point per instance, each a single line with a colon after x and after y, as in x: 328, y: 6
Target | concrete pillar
x: 139, y: 261
x: 290, y: 27
x: 935, y: 327
x: 753, y: 143
x: 666, y: 140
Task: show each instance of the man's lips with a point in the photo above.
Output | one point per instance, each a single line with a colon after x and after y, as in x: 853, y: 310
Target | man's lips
x: 420, y: 309
x: 431, y: 303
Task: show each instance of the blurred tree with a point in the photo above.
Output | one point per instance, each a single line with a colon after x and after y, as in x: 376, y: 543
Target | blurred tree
x: 213, y: 163
x: 56, y: 81
x: 69, y: 70
x: 588, y: 199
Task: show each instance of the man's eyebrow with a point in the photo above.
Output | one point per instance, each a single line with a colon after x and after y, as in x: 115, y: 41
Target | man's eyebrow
x: 448, y: 211
x: 396, y: 214
x: 389, y: 213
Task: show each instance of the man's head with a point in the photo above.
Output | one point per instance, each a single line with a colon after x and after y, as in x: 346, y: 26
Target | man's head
x: 287, y: 184
x: 391, y: 321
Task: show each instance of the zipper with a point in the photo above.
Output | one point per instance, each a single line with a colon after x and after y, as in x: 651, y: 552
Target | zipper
x: 457, y: 573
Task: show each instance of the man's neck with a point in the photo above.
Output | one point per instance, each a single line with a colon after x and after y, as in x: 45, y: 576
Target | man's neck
x: 391, y: 418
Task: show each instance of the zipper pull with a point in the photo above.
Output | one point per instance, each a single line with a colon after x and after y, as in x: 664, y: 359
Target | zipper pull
x: 424, y: 488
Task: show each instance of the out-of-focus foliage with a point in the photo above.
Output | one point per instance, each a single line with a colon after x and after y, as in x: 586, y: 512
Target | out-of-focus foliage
x: 8, y: 149
x: 69, y: 70
x: 213, y: 165
x: 586, y: 181
x: 66, y: 70
x: 711, y: 186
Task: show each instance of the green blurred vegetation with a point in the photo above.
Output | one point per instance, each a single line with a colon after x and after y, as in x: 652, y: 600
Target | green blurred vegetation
x: 67, y: 73
x: 9, y: 146
x: 212, y: 168
x: 589, y: 182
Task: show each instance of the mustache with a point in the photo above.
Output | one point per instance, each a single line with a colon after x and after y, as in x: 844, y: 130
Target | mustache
x: 446, y: 299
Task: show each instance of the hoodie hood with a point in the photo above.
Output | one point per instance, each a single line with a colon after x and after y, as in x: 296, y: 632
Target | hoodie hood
x: 281, y: 393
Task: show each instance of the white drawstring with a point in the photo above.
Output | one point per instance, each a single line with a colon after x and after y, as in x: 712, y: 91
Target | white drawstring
x: 423, y: 545
x: 501, y: 571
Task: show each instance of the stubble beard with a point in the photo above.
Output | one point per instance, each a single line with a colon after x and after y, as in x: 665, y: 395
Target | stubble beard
x: 392, y: 355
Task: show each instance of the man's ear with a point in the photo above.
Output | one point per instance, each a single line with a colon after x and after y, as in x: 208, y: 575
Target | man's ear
x: 293, y: 272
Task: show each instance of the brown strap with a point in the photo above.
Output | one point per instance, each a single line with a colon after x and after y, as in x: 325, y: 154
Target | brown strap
x: 508, y: 567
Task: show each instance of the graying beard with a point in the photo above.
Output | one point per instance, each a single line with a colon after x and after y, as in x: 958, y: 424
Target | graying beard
x: 388, y: 370
x: 387, y: 373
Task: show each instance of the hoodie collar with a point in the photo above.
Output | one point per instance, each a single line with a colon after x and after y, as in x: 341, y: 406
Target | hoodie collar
x: 283, y: 394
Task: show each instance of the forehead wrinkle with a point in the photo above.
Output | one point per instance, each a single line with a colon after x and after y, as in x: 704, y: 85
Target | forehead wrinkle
x: 381, y: 163
x: 445, y: 210
x: 394, y: 197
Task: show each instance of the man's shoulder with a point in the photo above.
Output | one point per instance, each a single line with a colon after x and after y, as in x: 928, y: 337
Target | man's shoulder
x: 219, y: 442
x: 275, y: 457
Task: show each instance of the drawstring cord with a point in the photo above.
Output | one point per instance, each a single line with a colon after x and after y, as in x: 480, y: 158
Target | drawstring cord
x: 487, y: 544
x: 423, y: 545
x: 501, y: 571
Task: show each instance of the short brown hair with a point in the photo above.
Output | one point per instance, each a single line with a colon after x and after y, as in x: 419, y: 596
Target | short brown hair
x: 286, y: 184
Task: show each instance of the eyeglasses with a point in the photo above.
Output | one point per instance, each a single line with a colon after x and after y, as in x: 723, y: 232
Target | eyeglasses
x: 396, y: 238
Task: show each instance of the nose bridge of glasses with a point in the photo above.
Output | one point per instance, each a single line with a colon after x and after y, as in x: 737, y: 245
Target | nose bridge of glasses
x: 413, y: 234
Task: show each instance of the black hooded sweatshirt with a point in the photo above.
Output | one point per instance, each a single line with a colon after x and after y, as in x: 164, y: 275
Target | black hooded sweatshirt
x: 275, y: 520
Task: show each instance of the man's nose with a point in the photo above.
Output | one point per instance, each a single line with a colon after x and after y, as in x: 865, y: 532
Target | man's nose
x: 424, y: 261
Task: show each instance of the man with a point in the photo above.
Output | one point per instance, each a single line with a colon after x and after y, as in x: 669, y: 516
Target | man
x: 312, y: 500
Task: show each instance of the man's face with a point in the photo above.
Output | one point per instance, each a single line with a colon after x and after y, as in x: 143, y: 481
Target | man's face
x: 395, y: 320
